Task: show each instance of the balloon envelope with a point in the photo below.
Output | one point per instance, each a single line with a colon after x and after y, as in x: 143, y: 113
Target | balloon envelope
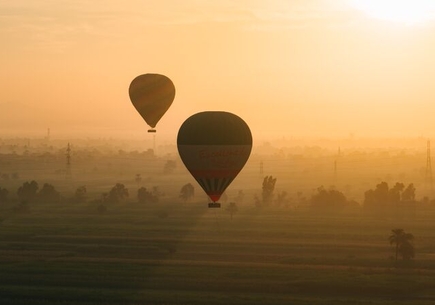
x: 214, y: 146
x: 151, y: 95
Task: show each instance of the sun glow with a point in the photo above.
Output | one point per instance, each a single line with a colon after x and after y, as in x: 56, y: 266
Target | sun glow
x: 401, y: 11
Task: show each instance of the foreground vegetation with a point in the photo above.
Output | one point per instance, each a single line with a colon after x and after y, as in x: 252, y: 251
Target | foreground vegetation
x: 187, y: 254
x: 129, y: 228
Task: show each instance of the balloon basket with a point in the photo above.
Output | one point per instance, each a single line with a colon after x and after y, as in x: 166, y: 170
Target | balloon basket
x: 214, y: 205
x: 152, y: 130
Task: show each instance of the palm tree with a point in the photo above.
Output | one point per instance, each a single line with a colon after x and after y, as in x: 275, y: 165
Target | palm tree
x: 403, y: 243
x: 407, y: 250
x: 396, y: 238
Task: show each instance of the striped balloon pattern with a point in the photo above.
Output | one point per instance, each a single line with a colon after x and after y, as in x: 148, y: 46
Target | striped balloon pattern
x: 214, y: 147
x: 151, y: 95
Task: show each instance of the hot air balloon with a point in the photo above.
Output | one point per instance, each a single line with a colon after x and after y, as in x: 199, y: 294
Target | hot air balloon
x: 214, y: 146
x: 151, y: 95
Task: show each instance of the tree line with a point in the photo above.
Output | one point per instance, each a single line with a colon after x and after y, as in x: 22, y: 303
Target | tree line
x: 380, y: 200
x: 32, y: 192
x: 383, y: 200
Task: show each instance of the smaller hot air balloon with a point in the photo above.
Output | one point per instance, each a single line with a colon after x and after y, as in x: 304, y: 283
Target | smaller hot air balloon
x: 214, y: 147
x: 151, y: 95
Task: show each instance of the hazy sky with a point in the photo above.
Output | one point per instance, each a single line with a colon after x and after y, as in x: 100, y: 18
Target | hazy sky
x: 290, y: 68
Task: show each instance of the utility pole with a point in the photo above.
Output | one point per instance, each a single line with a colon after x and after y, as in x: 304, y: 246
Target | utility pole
x: 68, y: 162
x: 335, y: 166
x: 429, y: 180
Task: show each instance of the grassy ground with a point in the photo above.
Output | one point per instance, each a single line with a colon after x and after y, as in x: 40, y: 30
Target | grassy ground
x: 188, y: 254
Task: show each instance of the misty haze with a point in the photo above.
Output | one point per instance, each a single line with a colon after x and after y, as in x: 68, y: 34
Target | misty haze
x: 203, y: 152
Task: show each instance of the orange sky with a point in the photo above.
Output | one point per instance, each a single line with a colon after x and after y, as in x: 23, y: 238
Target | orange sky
x: 289, y: 68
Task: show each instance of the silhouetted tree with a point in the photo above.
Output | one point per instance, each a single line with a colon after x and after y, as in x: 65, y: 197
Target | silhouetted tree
x: 48, y: 193
x: 394, y: 194
x: 403, y: 243
x: 117, y: 194
x: 301, y: 199
x: 409, y: 193
x: 407, y: 249
x: 27, y: 192
x: 240, y: 196
x: 267, y: 189
x: 328, y: 200
x: 145, y: 196
x: 282, y: 199
x: 395, y: 201
x: 232, y: 208
x: 80, y: 195
x: 375, y: 200
x: 138, y: 179
x: 187, y: 192
x: 3, y: 195
x: 407, y: 207
x: 157, y: 193
x: 170, y: 166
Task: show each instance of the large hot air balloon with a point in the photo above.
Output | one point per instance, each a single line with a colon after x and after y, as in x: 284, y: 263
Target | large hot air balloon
x: 214, y: 146
x: 151, y: 95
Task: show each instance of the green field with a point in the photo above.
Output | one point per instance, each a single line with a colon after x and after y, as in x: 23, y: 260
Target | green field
x: 174, y: 253
x: 189, y: 254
